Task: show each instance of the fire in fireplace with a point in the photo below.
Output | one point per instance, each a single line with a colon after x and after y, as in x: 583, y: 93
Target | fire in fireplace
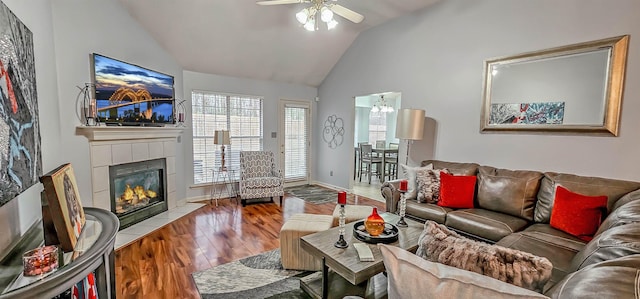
x: 138, y: 190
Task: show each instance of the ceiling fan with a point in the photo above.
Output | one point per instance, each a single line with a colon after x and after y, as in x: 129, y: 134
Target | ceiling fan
x: 319, y: 9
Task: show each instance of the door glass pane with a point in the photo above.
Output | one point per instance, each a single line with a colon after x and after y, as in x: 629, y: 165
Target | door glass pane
x: 295, y: 143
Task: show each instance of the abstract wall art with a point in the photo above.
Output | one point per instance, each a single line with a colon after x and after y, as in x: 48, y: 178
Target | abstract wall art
x: 20, y: 152
x: 550, y: 113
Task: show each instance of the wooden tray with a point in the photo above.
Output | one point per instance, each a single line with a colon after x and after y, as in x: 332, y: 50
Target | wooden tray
x: 389, y: 235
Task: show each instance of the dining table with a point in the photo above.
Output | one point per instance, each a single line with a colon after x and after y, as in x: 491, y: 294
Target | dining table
x: 382, y: 152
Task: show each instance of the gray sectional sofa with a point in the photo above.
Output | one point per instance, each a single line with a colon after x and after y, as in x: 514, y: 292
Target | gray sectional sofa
x: 512, y: 208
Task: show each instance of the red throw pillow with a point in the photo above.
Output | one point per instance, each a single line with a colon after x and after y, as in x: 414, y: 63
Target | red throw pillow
x: 457, y: 191
x: 577, y: 214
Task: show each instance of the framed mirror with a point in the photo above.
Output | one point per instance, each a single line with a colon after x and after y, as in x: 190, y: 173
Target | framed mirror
x: 575, y: 88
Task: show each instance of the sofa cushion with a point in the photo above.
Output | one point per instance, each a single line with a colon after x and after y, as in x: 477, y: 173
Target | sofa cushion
x: 628, y: 213
x: 456, y: 168
x: 617, y: 278
x: 429, y: 184
x: 592, y: 186
x: 427, y: 211
x: 412, y: 185
x: 545, y: 233
x: 410, y: 276
x: 509, y: 191
x: 540, y: 245
x: 457, y: 191
x: 439, y: 244
x: 485, y: 224
x: 577, y: 214
x: 613, y: 243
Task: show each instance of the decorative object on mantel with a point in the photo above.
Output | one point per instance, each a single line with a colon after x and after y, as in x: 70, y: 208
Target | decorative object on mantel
x: 410, y: 126
x: 333, y: 132
x: 181, y: 113
x: 63, y: 200
x: 88, y: 114
x: 319, y: 9
x: 20, y: 151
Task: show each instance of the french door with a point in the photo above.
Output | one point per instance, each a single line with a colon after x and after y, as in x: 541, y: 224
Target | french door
x: 295, y: 142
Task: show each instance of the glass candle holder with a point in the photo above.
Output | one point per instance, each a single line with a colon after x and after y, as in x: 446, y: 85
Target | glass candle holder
x: 40, y: 261
x: 403, y: 209
x: 341, y: 243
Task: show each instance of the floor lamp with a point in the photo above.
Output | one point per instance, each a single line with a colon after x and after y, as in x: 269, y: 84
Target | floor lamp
x: 410, y: 126
x: 221, y: 138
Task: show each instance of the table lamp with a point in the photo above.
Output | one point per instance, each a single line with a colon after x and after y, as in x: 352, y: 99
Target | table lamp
x: 221, y: 138
x: 410, y: 126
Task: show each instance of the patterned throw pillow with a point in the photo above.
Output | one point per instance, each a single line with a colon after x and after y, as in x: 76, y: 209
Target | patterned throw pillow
x: 410, y: 173
x: 429, y: 184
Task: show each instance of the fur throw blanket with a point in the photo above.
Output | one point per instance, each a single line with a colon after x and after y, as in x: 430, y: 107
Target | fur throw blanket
x: 439, y: 244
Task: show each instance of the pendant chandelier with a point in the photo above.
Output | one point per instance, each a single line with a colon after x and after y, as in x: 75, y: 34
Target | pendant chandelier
x: 382, y: 106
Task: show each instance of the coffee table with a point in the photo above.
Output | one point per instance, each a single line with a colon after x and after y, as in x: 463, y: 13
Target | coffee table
x: 345, y: 262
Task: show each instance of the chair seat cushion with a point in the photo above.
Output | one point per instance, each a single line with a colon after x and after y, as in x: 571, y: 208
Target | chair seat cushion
x: 262, y: 182
x: 485, y: 224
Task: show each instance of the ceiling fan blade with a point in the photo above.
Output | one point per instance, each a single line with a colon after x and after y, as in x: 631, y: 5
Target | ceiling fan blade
x: 347, y: 13
x: 277, y: 2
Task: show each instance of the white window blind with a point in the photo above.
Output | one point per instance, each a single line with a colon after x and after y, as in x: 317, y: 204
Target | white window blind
x: 296, y: 142
x: 377, y: 126
x: 240, y: 115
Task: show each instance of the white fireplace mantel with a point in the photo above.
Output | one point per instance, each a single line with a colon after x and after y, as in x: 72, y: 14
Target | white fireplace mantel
x: 110, y: 146
x: 100, y: 133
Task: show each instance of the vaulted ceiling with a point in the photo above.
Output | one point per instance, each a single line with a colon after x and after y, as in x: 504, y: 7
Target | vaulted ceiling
x: 238, y: 38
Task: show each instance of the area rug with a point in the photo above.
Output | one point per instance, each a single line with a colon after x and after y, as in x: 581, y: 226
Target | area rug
x: 258, y: 276
x: 313, y: 194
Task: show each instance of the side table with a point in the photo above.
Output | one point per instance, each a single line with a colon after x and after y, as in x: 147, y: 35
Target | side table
x: 224, y: 177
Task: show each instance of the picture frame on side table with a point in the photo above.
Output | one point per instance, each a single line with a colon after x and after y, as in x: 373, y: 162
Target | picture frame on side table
x: 62, y: 199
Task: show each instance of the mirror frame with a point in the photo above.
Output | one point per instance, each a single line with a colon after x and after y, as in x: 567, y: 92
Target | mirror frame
x: 613, y: 93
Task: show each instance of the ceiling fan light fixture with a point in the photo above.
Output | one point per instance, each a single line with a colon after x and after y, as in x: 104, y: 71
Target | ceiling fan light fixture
x: 326, y: 15
x: 302, y: 16
x: 332, y: 24
x: 310, y: 25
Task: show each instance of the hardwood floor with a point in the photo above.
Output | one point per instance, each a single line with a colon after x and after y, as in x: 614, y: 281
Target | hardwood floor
x: 160, y: 264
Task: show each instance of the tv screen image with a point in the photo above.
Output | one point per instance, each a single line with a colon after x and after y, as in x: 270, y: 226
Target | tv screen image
x: 131, y: 95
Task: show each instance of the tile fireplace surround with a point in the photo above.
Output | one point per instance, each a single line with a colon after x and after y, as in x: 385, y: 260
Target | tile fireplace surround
x: 118, y: 145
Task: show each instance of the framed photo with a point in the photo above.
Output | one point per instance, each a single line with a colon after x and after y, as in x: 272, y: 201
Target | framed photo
x: 64, y: 205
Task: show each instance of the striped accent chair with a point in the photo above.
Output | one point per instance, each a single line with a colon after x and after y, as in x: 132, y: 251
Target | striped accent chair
x: 259, y: 177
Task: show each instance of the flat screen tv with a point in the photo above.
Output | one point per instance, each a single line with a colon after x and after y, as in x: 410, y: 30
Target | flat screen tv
x: 128, y: 94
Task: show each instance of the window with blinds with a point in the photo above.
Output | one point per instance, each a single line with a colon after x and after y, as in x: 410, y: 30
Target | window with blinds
x: 240, y: 115
x: 377, y: 126
x: 296, y: 142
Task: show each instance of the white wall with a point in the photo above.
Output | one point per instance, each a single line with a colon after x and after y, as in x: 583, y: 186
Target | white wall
x: 272, y: 93
x: 105, y: 27
x: 438, y: 67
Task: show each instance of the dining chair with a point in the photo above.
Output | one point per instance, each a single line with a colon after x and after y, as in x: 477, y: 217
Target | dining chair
x: 391, y: 160
x: 369, y: 160
x: 358, y: 160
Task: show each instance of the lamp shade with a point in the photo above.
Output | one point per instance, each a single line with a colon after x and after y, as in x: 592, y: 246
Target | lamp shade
x: 221, y: 137
x: 410, y: 124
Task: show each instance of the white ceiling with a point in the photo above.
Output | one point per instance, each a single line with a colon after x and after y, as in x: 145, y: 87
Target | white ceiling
x: 238, y: 38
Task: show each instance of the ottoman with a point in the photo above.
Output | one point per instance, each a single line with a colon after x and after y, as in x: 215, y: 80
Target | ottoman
x: 351, y: 213
x: 299, y: 225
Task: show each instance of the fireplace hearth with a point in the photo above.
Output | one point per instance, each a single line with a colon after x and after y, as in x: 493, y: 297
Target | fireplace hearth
x: 138, y: 190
